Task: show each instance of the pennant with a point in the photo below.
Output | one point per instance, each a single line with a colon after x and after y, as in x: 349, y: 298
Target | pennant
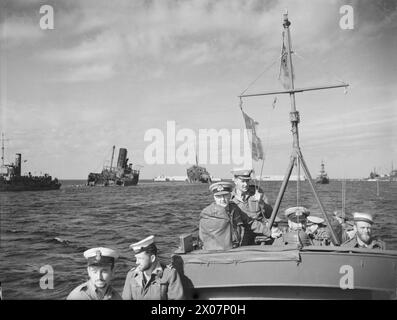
x: 285, y: 73
x: 256, y: 143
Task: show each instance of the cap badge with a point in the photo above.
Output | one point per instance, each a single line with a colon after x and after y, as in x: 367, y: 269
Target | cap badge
x: 98, y: 255
x: 219, y: 188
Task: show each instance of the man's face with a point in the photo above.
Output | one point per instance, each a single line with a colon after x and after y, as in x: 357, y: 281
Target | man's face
x: 364, y: 231
x: 100, y: 276
x: 312, y: 228
x: 295, y: 226
x: 241, y: 184
x: 144, y: 261
x: 222, y: 199
x: 339, y: 219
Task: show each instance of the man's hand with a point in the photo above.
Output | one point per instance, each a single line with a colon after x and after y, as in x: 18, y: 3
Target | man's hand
x: 276, y: 233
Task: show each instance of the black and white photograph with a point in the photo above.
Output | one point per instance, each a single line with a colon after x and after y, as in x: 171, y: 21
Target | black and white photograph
x: 198, y: 150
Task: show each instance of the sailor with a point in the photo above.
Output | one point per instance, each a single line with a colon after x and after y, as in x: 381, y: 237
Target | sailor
x: 317, y: 231
x: 101, y: 262
x: 347, y: 226
x: 223, y: 224
x: 363, y: 233
x: 297, y: 220
x: 150, y: 280
x: 251, y: 200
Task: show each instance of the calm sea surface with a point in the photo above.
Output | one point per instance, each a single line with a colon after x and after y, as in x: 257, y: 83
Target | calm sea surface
x: 55, y: 227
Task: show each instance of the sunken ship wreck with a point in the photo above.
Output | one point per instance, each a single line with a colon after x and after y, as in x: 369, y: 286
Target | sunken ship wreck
x: 123, y: 174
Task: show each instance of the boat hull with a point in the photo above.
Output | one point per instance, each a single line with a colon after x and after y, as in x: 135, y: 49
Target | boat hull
x: 9, y: 187
x: 101, y: 181
x: 258, y: 272
x: 322, y: 180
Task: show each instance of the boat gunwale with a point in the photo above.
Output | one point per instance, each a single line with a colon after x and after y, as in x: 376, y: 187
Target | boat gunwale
x: 312, y: 248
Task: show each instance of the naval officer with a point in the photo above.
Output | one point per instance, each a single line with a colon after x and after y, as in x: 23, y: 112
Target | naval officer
x: 317, y: 231
x: 223, y: 224
x: 297, y: 220
x: 363, y: 233
x: 220, y: 228
x: 251, y: 201
x: 150, y: 280
x: 100, y: 267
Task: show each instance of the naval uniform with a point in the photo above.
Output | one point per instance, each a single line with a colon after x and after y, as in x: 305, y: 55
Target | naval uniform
x: 375, y: 244
x: 220, y: 228
x: 87, y: 291
x: 164, y: 284
x: 98, y: 257
x: 256, y: 219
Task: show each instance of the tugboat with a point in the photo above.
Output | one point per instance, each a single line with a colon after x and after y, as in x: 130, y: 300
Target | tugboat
x: 121, y: 175
x: 322, y: 178
x: 12, y: 180
x: 294, y: 271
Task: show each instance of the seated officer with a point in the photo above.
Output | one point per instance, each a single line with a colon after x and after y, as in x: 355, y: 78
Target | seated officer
x: 223, y: 224
x: 251, y: 201
x: 220, y: 228
x: 363, y: 238
x: 297, y: 219
x: 100, y: 271
x: 150, y: 280
x: 317, y: 231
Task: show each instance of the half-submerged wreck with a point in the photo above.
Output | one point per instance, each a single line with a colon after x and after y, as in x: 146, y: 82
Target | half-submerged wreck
x: 123, y: 174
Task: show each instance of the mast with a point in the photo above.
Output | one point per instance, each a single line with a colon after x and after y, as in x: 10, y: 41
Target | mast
x: 111, y: 161
x: 296, y: 154
x: 2, y: 149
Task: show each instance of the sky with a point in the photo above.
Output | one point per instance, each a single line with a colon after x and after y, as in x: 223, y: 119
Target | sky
x: 109, y: 72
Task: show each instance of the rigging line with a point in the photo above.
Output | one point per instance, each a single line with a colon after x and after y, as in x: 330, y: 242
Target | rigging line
x: 327, y: 72
x: 263, y: 72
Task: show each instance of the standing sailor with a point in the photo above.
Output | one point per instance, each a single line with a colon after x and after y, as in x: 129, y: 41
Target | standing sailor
x: 150, y: 280
x: 100, y: 269
x: 251, y: 201
x: 363, y: 233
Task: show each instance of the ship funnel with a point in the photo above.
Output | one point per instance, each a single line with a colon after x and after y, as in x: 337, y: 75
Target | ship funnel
x: 18, y: 158
x: 121, y: 162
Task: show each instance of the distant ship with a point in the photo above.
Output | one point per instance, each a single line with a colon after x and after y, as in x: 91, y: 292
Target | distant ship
x: 121, y: 175
x: 12, y: 180
x: 279, y: 178
x: 198, y: 174
x: 374, y: 176
x: 161, y: 178
x: 322, y: 177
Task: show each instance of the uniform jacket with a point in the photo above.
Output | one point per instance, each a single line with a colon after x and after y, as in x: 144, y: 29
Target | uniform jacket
x: 164, y: 284
x: 219, y: 227
x: 87, y: 291
x: 256, y: 219
x: 375, y: 244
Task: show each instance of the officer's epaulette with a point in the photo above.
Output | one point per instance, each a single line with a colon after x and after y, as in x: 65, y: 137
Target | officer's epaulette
x: 169, y: 266
x: 133, y: 270
x: 84, y: 287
